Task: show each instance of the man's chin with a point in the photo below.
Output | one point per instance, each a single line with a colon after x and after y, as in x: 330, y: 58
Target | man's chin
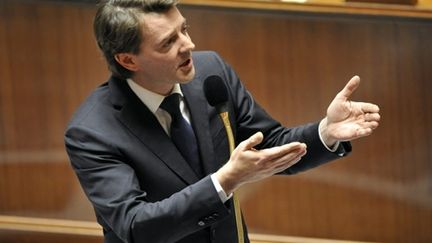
x: 186, y: 78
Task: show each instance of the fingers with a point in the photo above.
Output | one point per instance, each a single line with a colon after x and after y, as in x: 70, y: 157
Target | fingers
x: 288, y: 160
x: 372, y: 117
x: 247, y: 164
x: 364, y: 132
x: 251, y: 142
x: 284, y: 166
x: 370, y: 122
x: 280, y: 151
x: 282, y: 156
x: 369, y: 107
x: 349, y: 88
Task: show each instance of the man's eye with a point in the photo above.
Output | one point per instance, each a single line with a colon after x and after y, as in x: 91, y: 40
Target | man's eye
x: 185, y: 28
x: 169, y: 42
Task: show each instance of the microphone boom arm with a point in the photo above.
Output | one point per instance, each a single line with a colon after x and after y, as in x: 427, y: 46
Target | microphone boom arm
x: 240, y: 233
x: 225, y: 119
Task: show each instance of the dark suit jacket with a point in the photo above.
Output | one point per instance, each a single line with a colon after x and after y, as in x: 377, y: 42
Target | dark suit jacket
x: 141, y: 188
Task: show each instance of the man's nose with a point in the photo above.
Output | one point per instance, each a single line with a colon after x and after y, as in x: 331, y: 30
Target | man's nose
x: 188, y: 45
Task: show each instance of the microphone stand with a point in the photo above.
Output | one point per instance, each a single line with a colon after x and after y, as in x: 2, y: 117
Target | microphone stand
x: 217, y: 96
x: 238, y: 218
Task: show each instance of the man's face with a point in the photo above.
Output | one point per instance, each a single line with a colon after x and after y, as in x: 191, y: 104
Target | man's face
x: 165, y: 54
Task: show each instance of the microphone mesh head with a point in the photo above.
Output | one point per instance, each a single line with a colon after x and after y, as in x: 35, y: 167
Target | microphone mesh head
x: 215, y: 90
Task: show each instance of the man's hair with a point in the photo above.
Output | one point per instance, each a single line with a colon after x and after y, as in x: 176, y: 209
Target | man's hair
x: 117, y: 28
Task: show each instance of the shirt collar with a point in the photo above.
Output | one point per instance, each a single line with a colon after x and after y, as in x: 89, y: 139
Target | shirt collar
x: 151, y: 99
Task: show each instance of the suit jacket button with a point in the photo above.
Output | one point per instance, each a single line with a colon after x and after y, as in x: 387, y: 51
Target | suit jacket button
x: 201, y: 223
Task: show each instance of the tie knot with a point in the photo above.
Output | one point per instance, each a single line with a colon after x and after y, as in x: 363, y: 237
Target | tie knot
x: 171, y: 104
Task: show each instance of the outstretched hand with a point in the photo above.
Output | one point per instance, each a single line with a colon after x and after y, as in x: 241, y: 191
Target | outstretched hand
x: 248, y: 164
x: 348, y: 120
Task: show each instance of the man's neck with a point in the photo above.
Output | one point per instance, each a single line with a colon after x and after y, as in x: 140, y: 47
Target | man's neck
x: 156, y: 87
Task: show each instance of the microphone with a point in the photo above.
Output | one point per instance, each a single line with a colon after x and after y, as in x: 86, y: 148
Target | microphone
x: 216, y: 94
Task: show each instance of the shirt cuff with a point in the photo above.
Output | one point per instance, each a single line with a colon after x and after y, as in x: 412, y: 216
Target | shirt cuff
x: 334, y: 147
x: 220, y: 191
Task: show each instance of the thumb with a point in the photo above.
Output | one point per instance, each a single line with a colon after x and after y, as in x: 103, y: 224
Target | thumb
x: 252, y: 141
x: 349, y: 88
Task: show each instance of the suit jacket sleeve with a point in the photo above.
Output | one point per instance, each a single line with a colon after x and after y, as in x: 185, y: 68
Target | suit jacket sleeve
x: 249, y: 118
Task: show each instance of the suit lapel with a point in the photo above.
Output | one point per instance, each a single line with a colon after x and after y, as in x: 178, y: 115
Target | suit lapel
x: 141, y: 122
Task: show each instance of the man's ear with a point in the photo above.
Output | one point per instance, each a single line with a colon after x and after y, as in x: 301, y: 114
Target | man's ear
x: 127, y: 60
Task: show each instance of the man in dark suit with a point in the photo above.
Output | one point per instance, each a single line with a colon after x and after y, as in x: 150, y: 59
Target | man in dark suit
x: 122, y: 147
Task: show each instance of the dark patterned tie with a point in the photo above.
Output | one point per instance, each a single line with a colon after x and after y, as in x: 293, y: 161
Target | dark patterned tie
x: 182, y: 133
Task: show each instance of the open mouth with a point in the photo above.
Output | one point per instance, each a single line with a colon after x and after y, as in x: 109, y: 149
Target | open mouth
x: 186, y: 63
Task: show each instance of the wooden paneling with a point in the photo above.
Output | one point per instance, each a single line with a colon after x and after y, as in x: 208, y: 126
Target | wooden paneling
x: 408, y: 2
x: 293, y: 63
x: 48, y: 64
x: 37, y: 237
x: 35, y: 230
x: 423, y: 9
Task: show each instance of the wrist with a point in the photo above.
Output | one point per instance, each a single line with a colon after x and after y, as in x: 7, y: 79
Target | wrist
x: 324, y: 134
x: 225, y: 180
x: 220, y: 191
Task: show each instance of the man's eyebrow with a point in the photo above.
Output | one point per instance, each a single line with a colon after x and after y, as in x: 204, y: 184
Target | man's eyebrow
x: 169, y: 36
x: 172, y: 33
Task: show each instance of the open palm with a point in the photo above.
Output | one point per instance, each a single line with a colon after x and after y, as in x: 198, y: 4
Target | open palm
x: 347, y: 120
